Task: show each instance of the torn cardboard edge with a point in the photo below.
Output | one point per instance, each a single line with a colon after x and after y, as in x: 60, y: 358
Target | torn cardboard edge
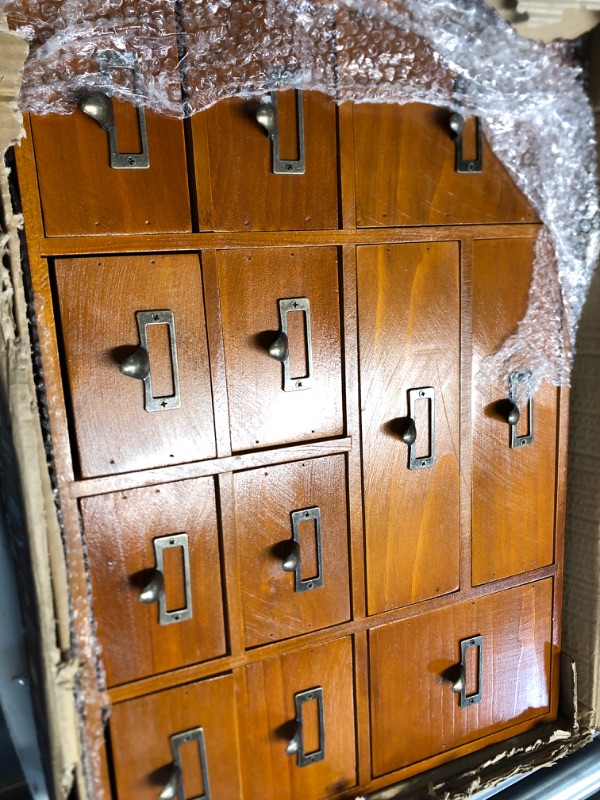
x: 54, y: 668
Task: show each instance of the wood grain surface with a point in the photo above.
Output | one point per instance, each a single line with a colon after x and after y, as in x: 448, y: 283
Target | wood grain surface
x: 264, y: 500
x: 409, y: 337
x: 413, y: 665
x: 98, y: 300
x: 82, y: 194
x: 239, y: 153
x: 251, y: 282
x: 405, y: 173
x: 269, y: 704
x: 513, y: 489
x: 140, y: 731
x: 120, y: 530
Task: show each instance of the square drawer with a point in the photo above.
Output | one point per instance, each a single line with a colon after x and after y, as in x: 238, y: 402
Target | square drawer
x: 156, y: 578
x: 193, y: 727
x: 300, y: 743
x: 292, y: 542
x: 276, y: 302
x: 107, y: 305
x: 415, y: 668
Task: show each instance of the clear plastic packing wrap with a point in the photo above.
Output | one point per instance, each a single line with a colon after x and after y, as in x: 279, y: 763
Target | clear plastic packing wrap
x: 454, y: 53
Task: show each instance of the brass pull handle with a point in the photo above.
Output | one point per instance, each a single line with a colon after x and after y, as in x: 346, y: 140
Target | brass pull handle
x: 154, y: 590
x: 268, y: 118
x: 293, y: 561
x: 296, y: 744
x: 460, y: 685
x: 513, y: 415
x: 280, y: 350
x: 173, y: 785
x: 137, y: 365
x: 99, y: 106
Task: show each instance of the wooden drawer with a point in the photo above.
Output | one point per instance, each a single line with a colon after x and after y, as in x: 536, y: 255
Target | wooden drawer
x: 409, y: 346
x: 261, y: 290
x: 82, y: 194
x: 101, y: 300
x: 204, y: 712
x: 415, y: 662
x: 311, y: 680
x: 231, y: 149
x: 405, y: 172
x: 513, y: 487
x: 139, y: 539
x: 275, y: 507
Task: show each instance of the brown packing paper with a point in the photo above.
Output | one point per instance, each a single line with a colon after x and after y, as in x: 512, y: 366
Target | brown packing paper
x: 16, y: 378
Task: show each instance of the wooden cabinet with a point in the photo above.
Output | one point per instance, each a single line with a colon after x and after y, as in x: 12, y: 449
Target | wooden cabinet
x: 323, y: 554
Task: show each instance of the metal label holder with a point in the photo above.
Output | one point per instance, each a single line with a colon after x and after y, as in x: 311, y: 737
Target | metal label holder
x: 296, y: 745
x: 160, y: 545
x: 151, y: 403
x: 305, y: 515
x: 514, y: 379
x: 426, y: 393
x: 465, y: 700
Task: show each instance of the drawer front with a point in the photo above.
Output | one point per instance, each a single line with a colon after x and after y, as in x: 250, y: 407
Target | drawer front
x: 416, y: 662
x: 292, y: 542
x: 232, y: 149
x: 82, y: 193
x: 513, y: 487
x: 309, y: 691
x: 272, y: 399
x: 205, y: 714
x: 156, y: 578
x: 122, y: 422
x: 405, y: 171
x: 409, y: 355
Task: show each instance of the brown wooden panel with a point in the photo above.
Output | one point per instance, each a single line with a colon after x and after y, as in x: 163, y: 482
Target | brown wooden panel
x: 251, y: 282
x: 513, y: 489
x: 256, y: 199
x: 82, y: 194
x: 140, y: 731
x: 409, y: 335
x: 405, y: 173
x: 98, y: 300
x: 414, y: 664
x: 120, y: 530
x: 269, y: 703
x: 264, y: 500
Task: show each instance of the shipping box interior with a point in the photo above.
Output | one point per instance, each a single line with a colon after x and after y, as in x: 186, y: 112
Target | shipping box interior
x: 65, y: 677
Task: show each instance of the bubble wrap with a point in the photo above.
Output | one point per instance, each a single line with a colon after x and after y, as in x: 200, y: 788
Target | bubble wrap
x: 453, y: 53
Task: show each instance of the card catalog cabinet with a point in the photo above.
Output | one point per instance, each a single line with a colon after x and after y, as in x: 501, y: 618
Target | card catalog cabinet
x: 323, y: 541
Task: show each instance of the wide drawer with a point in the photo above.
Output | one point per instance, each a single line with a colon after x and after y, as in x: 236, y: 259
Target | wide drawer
x: 416, y: 671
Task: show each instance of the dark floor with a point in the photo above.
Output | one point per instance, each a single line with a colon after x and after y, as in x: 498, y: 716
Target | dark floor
x: 12, y: 783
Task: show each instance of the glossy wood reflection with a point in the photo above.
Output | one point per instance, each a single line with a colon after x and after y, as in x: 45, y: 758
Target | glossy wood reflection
x: 513, y: 489
x: 270, y: 688
x: 414, y: 664
x: 99, y: 298
x: 409, y: 337
x: 264, y: 501
x: 405, y: 172
x: 140, y: 731
x: 120, y: 530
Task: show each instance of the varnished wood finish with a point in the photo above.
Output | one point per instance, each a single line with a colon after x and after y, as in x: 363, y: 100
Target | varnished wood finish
x: 513, y: 489
x: 264, y: 500
x: 409, y: 338
x: 140, y: 732
x: 240, y: 158
x: 98, y: 300
x: 251, y: 282
x: 120, y: 530
x: 413, y: 666
x: 405, y: 172
x: 269, y: 700
x: 83, y: 195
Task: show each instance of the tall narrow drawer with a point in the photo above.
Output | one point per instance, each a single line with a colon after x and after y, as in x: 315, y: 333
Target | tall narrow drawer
x: 416, y: 670
x: 292, y: 541
x: 137, y: 361
x: 156, y: 577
